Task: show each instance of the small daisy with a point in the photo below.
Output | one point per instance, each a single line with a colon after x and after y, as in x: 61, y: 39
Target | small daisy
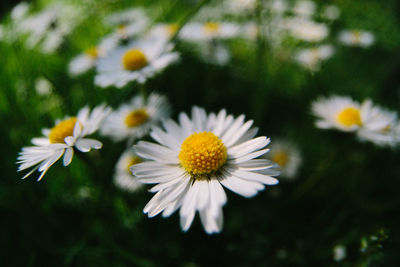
x: 304, y: 8
x: 356, y: 38
x: 239, y: 7
x: 379, y: 125
x: 61, y: 140
x: 136, y: 16
x: 338, y: 112
x: 287, y: 156
x: 195, y: 159
x: 123, y: 177
x: 20, y: 11
x: 43, y: 86
x: 311, y: 58
x: 134, y: 120
x: 138, y: 61
x: 339, y: 253
x: 330, y: 12
x: 307, y: 30
x: 164, y: 30
x: 194, y: 32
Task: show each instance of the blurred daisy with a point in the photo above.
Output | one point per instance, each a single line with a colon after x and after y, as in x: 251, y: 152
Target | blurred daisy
x: 379, y: 125
x: 134, y: 120
x: 287, y: 156
x: 304, y: 8
x: 307, y: 30
x: 311, y: 58
x: 134, y: 16
x: 20, y: 11
x: 338, y: 112
x: 330, y: 12
x: 356, y: 38
x: 195, y: 159
x: 164, y: 30
x: 239, y: 7
x: 60, y: 140
x: 123, y: 177
x: 43, y: 86
x: 339, y: 253
x: 278, y: 7
x: 193, y: 32
x: 138, y: 61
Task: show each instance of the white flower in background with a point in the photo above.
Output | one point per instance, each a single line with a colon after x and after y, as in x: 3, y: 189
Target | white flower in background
x: 43, y: 87
x: 311, y: 58
x: 379, y: 125
x: 125, y: 17
x: 19, y: 11
x: 87, y: 60
x: 287, y: 156
x: 194, y: 32
x: 356, y: 38
x: 339, y: 253
x: 135, y: 119
x: 278, y: 7
x: 239, y: 7
x: 195, y: 159
x: 164, y: 30
x: 330, y: 12
x: 214, y: 53
x: 61, y: 140
x: 338, y: 112
x: 304, y: 8
x: 306, y: 30
x: 123, y: 178
x: 137, y: 61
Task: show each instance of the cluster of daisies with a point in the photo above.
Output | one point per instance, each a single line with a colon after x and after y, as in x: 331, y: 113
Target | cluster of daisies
x: 368, y: 121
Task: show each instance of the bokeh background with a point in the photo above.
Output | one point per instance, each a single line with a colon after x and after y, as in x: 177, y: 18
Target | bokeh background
x: 345, y: 193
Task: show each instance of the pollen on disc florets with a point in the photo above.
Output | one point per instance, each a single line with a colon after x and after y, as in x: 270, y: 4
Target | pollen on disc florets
x: 349, y: 116
x: 202, y: 154
x: 281, y: 158
x: 136, y: 118
x: 211, y: 27
x: 134, y: 59
x: 61, y: 130
x: 132, y: 161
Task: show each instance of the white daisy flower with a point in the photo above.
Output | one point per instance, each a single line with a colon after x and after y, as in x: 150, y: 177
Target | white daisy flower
x: 307, y: 30
x: 123, y: 177
x: 339, y: 253
x: 164, y: 30
x: 239, y: 7
x: 138, y: 61
x: 43, y: 86
x: 311, y: 58
x: 194, y: 32
x: 195, y: 159
x: 19, y: 11
x: 342, y: 113
x: 330, y: 12
x: 131, y: 16
x: 278, y: 7
x: 304, y: 8
x: 134, y: 120
x: 287, y: 156
x: 379, y: 125
x: 356, y: 38
x: 61, y: 140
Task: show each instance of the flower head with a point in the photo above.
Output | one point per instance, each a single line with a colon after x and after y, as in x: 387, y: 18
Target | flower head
x: 138, y: 61
x: 60, y: 140
x: 134, y: 119
x: 356, y: 38
x: 311, y: 58
x: 123, y: 177
x: 195, y: 159
x: 287, y: 156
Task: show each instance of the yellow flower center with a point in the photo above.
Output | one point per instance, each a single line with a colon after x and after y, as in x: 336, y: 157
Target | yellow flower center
x: 172, y: 28
x: 132, y: 161
x: 134, y: 59
x: 356, y: 36
x: 93, y: 52
x: 281, y: 158
x: 211, y: 27
x: 202, y: 154
x: 136, y: 117
x: 61, y: 130
x: 349, y: 117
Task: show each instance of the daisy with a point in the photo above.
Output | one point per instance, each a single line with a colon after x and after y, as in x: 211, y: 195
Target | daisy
x: 123, y: 177
x: 134, y: 120
x: 138, y: 61
x: 60, y: 140
x: 164, y: 30
x: 195, y: 159
x: 356, y: 38
x: 307, y: 30
x: 287, y: 156
x: 311, y: 58
x: 304, y: 8
x: 330, y: 12
x: 379, y: 125
x: 194, y: 32
x: 338, y: 112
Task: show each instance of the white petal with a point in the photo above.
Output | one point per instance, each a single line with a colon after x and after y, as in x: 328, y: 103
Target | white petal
x: 68, y: 156
x: 242, y: 187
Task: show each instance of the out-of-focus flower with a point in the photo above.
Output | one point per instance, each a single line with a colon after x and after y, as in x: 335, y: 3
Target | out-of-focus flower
x: 356, y: 38
x: 239, y: 7
x: 330, y: 12
x: 339, y: 253
x: 193, y: 32
x: 304, y: 8
x: 133, y: 16
x: 287, y: 156
x: 43, y: 87
x: 137, y: 61
x: 134, y: 120
x: 123, y: 178
x: 198, y: 156
x: 163, y: 30
x: 19, y: 11
x: 278, y: 7
x: 60, y: 140
x: 311, y: 58
x: 379, y: 125
x: 307, y: 30
x: 338, y: 112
